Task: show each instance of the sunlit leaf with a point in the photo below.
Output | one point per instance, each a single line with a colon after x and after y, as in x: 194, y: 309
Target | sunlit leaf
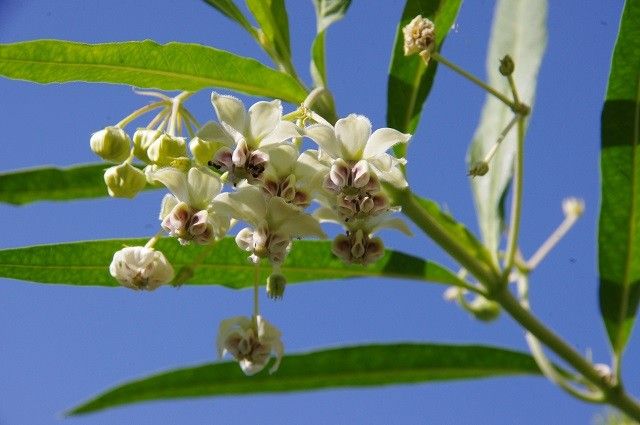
x: 231, y: 11
x: 619, y: 228
x: 360, y: 366
x: 272, y: 18
x: 519, y: 30
x: 410, y: 80
x: 87, y: 263
x: 171, y: 66
x: 53, y: 184
x: 327, y: 12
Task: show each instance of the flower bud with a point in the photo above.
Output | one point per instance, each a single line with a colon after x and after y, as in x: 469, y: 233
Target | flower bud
x: 573, y: 207
x: 276, y: 284
x: 506, y: 66
x: 166, y: 148
x: 124, y: 180
x: 484, y: 309
x: 111, y: 144
x: 181, y: 163
x: 142, y: 139
x: 479, y: 168
x: 419, y: 36
x: 203, y: 150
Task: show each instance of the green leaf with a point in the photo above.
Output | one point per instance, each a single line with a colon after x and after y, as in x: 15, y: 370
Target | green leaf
x: 87, y: 263
x: 53, y: 184
x: 456, y: 230
x: 327, y: 12
x: 231, y: 11
x: 410, y: 80
x: 359, y: 366
x: 172, y: 66
x: 619, y: 228
x: 519, y: 30
x: 272, y: 18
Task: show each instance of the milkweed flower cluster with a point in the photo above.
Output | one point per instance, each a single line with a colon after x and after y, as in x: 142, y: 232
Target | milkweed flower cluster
x: 248, y: 167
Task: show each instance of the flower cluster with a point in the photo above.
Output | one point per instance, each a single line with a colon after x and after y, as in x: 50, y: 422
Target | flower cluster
x: 271, y: 183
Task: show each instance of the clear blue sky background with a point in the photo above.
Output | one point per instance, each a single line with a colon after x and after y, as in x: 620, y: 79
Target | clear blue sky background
x: 59, y: 344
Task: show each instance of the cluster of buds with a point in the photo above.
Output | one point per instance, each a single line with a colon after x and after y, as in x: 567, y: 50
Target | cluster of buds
x: 419, y: 37
x: 271, y: 184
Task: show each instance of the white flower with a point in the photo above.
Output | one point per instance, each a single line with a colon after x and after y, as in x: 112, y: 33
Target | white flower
x: 187, y: 213
x: 356, y: 153
x: 138, y: 267
x: 250, y: 342
x: 274, y: 222
x: 243, y: 134
x: 573, y: 207
x: 419, y: 36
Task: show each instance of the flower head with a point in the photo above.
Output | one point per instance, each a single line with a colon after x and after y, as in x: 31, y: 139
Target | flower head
x: 419, y: 36
x: 139, y: 267
x: 250, y: 341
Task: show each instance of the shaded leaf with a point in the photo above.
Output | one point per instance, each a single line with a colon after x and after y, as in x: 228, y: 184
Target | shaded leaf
x: 87, y: 263
x: 360, y: 366
x: 519, y: 30
x: 171, y: 66
x: 327, y: 12
x: 231, y: 11
x: 619, y: 227
x: 410, y: 80
x: 53, y: 184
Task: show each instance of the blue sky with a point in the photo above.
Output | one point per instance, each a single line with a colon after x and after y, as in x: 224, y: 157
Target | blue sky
x: 59, y: 344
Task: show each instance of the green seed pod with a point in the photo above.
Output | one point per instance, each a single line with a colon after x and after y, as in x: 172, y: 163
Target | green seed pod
x: 111, y: 144
x: 124, y: 180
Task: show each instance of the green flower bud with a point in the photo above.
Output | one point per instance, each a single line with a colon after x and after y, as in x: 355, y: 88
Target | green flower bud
x: 506, y: 66
x: 111, y: 144
x: 142, y: 139
x: 124, y: 180
x: 183, y: 164
x: 166, y: 148
x: 479, y: 168
x: 203, y: 150
x: 276, y: 284
x: 484, y: 309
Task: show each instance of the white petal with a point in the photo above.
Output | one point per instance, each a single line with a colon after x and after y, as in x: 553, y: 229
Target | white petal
x: 327, y: 215
x: 282, y: 159
x: 247, y: 204
x: 283, y: 131
x: 229, y: 326
x: 214, y: 132
x: 203, y: 187
x: 352, y: 133
x: 310, y: 171
x: 385, y: 222
x: 168, y: 202
x: 382, y: 139
x: 291, y: 221
x: 325, y: 137
x: 175, y: 180
x: 230, y: 110
x: 263, y: 119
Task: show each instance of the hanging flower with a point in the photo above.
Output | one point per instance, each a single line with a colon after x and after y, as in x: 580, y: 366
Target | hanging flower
x: 251, y: 341
x: 139, y: 267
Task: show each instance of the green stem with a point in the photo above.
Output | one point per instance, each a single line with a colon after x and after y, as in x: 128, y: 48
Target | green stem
x: 516, y: 204
x: 410, y: 207
x: 135, y: 114
x: 436, y: 56
x: 613, y: 394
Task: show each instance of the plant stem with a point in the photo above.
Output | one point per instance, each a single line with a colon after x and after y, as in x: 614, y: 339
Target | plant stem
x: 516, y: 204
x: 135, y: 114
x: 511, y: 104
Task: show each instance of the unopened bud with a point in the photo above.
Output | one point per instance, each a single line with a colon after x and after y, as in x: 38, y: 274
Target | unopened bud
x: 111, y: 144
x: 166, y: 148
x: 573, y: 207
x: 142, y: 139
x: 124, y: 180
x: 182, y: 163
x: 276, y: 284
x: 203, y: 150
x: 419, y: 36
x: 479, y: 168
x: 506, y: 66
x: 484, y: 309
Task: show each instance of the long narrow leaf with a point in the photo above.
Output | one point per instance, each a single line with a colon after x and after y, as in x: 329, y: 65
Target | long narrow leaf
x: 519, y: 30
x: 361, y: 366
x: 172, y: 66
x: 273, y: 20
x: 327, y: 12
x: 231, y: 11
x: 87, y: 263
x: 53, y: 184
x: 410, y: 80
x: 619, y: 228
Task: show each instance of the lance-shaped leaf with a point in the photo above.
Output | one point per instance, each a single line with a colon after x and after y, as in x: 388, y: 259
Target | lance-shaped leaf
x: 520, y: 31
x: 410, y: 80
x: 53, y: 184
x: 231, y: 11
x: 359, y: 366
x: 274, y: 23
x: 87, y: 263
x: 619, y: 228
x: 327, y: 12
x: 171, y: 66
